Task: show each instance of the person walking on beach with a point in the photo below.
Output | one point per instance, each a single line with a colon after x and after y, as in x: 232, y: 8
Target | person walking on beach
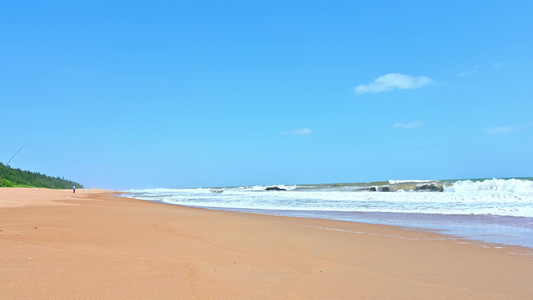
x: 74, y: 189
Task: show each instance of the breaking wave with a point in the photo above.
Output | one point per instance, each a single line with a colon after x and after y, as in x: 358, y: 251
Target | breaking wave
x: 492, y: 185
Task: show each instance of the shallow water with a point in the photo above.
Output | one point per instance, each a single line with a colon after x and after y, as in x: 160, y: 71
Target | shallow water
x: 515, y: 231
x: 492, y: 211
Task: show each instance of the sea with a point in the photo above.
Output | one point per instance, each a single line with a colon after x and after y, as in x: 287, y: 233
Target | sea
x: 491, y: 211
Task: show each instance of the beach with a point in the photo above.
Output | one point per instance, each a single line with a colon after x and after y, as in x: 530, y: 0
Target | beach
x: 55, y: 244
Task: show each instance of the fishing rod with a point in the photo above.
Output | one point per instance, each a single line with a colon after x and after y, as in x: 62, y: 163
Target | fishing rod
x: 7, y: 165
x: 16, y: 154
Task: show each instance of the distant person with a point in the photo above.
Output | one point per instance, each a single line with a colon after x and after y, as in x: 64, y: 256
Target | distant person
x: 74, y: 189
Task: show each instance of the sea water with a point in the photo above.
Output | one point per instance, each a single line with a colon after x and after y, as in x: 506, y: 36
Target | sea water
x: 490, y: 210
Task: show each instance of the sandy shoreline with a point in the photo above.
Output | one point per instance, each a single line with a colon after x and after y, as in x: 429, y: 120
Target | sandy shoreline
x: 89, y: 245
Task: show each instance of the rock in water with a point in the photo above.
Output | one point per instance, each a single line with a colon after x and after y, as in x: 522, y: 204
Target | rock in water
x: 429, y: 188
x: 274, y: 188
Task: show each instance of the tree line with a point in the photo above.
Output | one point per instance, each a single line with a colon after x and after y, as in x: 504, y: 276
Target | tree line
x: 10, y: 177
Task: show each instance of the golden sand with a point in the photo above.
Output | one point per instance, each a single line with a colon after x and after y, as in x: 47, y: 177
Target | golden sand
x: 58, y: 245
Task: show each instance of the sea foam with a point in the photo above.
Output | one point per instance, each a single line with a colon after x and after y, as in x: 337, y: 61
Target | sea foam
x: 503, y: 197
x: 493, y: 210
x: 495, y: 185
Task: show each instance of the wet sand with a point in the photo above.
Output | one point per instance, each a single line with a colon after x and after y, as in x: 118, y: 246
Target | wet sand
x: 89, y: 245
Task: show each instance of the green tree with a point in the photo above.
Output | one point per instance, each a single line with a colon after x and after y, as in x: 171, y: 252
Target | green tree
x: 15, y: 177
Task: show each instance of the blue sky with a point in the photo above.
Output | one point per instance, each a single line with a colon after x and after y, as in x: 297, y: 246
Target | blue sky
x: 139, y: 94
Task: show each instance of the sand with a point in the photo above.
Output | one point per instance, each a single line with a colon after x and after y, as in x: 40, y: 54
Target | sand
x: 58, y: 245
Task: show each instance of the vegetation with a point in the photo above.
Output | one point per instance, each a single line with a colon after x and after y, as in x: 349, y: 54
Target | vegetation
x: 10, y: 177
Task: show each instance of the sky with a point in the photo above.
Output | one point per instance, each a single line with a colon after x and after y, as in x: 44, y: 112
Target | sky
x: 176, y: 94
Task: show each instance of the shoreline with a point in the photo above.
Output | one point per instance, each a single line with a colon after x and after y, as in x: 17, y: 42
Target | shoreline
x: 96, y: 245
x: 405, y: 221
x: 434, y: 223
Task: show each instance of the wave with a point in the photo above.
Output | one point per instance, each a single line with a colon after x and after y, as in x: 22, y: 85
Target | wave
x: 503, y: 197
x: 516, y: 186
x: 487, y: 209
x: 513, y: 185
x: 266, y: 187
x: 409, y: 181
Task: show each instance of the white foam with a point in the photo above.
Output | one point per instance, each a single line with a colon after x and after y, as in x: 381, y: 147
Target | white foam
x: 409, y: 181
x: 492, y: 185
x: 511, y: 197
x: 264, y: 187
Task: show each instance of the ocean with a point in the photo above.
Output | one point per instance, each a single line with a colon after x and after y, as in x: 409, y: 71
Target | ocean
x: 495, y: 211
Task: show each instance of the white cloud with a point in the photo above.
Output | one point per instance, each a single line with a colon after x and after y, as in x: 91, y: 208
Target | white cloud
x: 412, y: 124
x: 502, y: 129
x: 301, y: 131
x: 498, y: 65
x: 393, y: 81
x: 477, y: 69
x: 474, y: 71
x: 505, y: 129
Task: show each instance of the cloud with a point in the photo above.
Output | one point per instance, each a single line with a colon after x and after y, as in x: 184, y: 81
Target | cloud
x: 498, y: 65
x: 504, y: 129
x: 301, y: 131
x: 501, y: 129
x: 477, y: 69
x: 393, y: 81
x: 412, y: 124
x: 474, y: 71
